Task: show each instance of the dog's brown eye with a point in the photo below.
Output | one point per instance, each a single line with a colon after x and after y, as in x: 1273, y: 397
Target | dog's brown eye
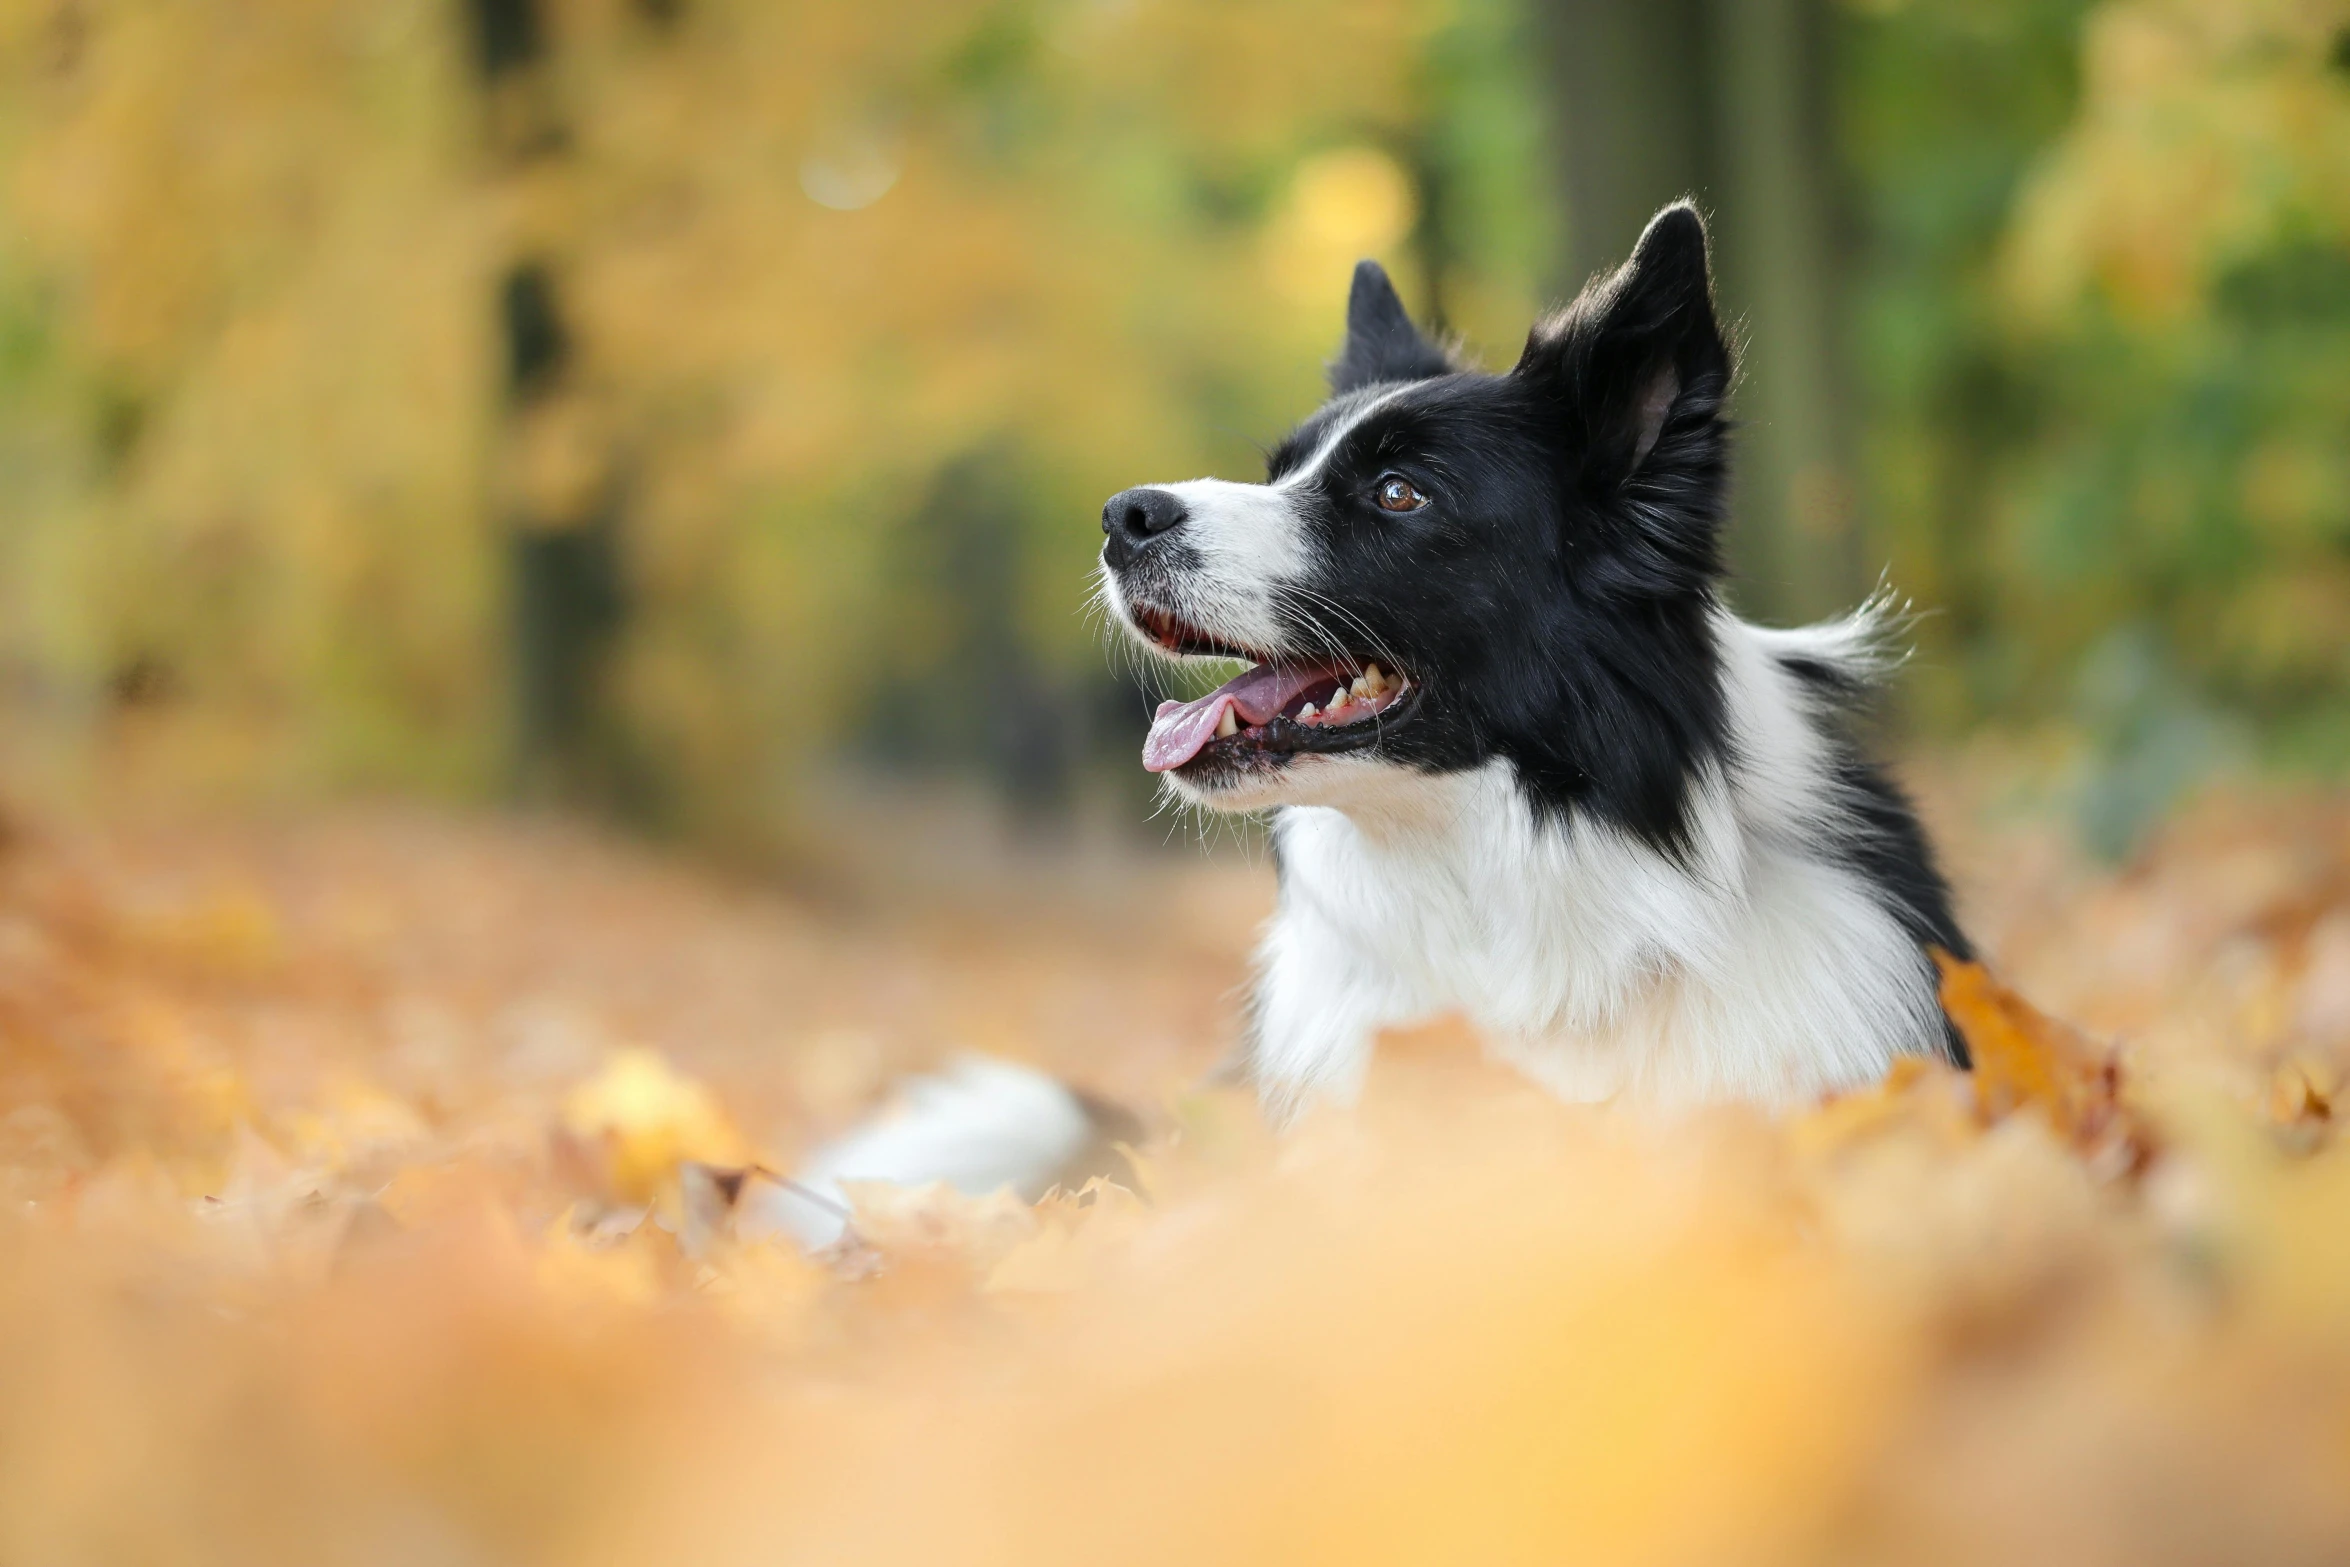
x: 1396, y: 494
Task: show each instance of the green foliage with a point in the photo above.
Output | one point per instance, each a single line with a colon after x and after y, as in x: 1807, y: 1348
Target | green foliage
x: 2108, y: 315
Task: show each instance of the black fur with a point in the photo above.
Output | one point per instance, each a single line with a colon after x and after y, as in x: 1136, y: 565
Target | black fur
x: 1889, y: 848
x: 1885, y: 842
x: 1381, y: 342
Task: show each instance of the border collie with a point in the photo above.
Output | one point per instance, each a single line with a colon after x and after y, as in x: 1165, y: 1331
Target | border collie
x: 1522, y: 763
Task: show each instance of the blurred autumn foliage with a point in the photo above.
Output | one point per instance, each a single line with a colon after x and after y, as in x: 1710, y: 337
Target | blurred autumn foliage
x: 391, y: 392
x: 789, y: 263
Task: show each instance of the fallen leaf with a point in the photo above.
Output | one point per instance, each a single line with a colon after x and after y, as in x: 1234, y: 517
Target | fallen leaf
x: 648, y: 1118
x: 2025, y: 1059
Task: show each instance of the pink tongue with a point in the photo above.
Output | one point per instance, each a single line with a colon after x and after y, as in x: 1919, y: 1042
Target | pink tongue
x: 1182, y: 728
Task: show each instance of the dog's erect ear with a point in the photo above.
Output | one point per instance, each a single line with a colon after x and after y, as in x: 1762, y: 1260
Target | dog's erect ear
x: 1381, y: 342
x: 1637, y: 365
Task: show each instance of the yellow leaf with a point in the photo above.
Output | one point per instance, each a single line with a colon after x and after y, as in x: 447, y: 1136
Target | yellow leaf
x: 649, y: 1118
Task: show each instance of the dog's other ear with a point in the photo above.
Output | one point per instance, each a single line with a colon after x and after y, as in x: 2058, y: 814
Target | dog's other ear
x: 1381, y: 342
x: 1637, y: 367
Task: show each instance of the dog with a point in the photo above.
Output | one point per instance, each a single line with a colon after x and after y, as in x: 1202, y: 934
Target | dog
x: 1520, y: 761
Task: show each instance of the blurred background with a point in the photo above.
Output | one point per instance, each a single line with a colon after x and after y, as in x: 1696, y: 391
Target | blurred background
x: 690, y: 411
x: 543, y: 670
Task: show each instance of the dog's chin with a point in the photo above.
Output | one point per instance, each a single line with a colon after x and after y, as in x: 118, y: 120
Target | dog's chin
x: 1236, y: 786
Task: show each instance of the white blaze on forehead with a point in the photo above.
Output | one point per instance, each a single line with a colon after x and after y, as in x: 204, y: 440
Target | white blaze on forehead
x: 1371, y: 403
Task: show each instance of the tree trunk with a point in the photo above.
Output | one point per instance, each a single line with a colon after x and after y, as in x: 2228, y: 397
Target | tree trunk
x: 1630, y: 115
x: 1786, y: 265
x: 557, y: 481
x: 1728, y: 101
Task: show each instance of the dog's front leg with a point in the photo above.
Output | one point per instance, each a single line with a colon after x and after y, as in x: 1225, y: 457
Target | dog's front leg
x: 1319, y: 1006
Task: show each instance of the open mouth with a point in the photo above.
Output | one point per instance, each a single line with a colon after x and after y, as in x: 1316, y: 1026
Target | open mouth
x: 1275, y: 708
x: 1180, y: 636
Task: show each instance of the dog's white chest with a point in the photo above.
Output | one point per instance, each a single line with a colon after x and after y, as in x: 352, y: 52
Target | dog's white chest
x: 1591, y: 961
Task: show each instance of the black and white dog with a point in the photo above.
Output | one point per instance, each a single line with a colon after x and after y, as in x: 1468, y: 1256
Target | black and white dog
x: 1522, y: 764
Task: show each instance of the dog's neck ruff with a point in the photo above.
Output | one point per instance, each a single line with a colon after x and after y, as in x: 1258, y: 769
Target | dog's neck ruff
x: 1761, y: 960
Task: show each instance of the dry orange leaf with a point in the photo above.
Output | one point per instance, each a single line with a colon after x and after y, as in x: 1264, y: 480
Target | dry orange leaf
x: 2025, y: 1059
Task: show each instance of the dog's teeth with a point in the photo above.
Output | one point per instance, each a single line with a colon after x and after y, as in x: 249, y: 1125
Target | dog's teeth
x: 1306, y: 712
x: 1227, y: 726
x: 1362, y: 687
x: 1377, y: 678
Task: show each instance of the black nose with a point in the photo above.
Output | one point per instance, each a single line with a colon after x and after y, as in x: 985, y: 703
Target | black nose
x: 1135, y: 517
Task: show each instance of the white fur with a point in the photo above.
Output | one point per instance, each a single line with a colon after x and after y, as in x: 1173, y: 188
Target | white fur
x: 1248, y: 537
x: 979, y: 1126
x: 1758, y: 969
x: 1363, y: 405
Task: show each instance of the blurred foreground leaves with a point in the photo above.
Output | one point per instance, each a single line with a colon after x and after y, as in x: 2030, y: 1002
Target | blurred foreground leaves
x: 389, y: 1190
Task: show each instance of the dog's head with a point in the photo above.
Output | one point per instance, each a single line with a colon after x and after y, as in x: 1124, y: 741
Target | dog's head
x: 1443, y: 567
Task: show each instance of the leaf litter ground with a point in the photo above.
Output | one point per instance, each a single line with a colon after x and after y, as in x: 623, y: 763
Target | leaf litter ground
x: 386, y: 1188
